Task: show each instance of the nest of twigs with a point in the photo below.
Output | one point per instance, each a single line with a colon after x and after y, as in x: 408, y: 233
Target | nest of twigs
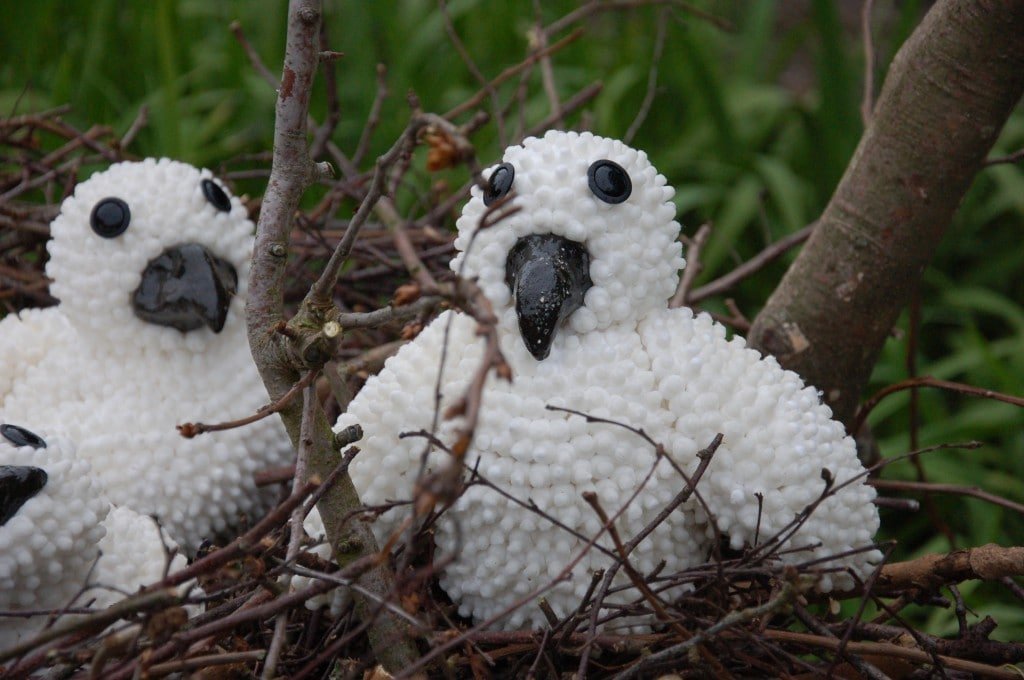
x: 744, y: 615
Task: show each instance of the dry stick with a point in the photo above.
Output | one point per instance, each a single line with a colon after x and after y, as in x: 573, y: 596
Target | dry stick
x: 693, y: 266
x: 385, y: 315
x: 751, y: 266
x: 467, y: 59
x: 344, y: 163
x: 538, y: 41
x: 568, y: 107
x: 189, y: 430
x: 1014, y: 157
x: 201, y: 662
x: 410, y: 258
x: 867, y: 104
x: 322, y: 134
x: 818, y: 627
x: 183, y: 639
x: 141, y: 120
x: 295, y: 530
x: 928, y: 381
x: 988, y: 562
x: 885, y: 649
x: 373, y: 118
x: 785, y: 597
x: 652, y: 78
x: 690, y: 488
x: 595, y: 6
x: 638, y: 581
x: 402, y: 147
x: 145, y: 601
x: 529, y: 597
x: 511, y: 72
x: 930, y: 487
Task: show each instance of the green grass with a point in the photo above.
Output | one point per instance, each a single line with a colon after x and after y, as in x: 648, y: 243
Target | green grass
x: 756, y: 159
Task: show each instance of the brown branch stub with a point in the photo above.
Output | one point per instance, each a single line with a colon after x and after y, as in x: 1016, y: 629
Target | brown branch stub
x: 946, y: 97
x: 930, y: 572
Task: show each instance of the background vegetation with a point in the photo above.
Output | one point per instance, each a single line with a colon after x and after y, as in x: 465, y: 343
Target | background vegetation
x: 753, y: 124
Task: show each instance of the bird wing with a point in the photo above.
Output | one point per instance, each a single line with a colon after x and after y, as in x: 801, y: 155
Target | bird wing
x: 778, y: 439
x: 25, y: 339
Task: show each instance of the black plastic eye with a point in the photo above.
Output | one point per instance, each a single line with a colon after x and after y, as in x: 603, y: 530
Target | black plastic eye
x: 216, y: 196
x: 500, y: 183
x: 609, y: 181
x: 110, y: 217
x: 19, y: 436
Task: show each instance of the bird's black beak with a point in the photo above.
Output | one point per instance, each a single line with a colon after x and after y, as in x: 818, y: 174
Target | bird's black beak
x: 548, y: 276
x: 18, y: 483
x: 186, y: 287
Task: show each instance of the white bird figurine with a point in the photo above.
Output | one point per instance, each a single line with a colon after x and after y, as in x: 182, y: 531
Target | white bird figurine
x: 61, y: 543
x: 579, y: 279
x: 150, y: 261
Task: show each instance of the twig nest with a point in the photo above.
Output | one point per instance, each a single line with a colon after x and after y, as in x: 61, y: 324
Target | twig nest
x: 61, y: 543
x: 584, y: 325
x: 150, y: 261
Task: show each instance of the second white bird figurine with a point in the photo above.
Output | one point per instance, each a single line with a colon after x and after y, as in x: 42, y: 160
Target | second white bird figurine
x: 579, y: 278
x: 150, y: 261
x: 61, y: 542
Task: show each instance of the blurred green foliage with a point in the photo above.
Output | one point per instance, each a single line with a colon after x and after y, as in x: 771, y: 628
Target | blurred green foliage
x: 754, y: 126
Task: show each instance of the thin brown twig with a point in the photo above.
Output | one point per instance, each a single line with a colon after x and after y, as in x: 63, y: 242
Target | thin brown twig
x: 511, y: 72
x: 652, y: 78
x: 295, y: 529
x: 933, y: 487
x: 771, y: 253
x: 200, y: 662
x: 190, y: 430
x: 373, y: 118
x: 887, y: 649
x: 569, y: 106
x: 634, y: 576
x: 538, y: 39
x: 141, y: 120
x: 693, y: 266
x: 928, y: 381
x: 467, y: 59
x: 1014, y: 157
x: 788, y: 593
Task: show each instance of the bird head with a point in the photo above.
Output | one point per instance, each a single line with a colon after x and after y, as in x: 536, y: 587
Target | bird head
x: 592, y: 241
x: 154, y: 253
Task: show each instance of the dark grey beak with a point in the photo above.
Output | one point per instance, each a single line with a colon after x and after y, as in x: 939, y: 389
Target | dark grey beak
x: 18, y: 483
x: 186, y: 287
x: 548, y: 276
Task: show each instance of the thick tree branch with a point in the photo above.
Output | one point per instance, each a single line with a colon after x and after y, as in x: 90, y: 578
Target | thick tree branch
x: 946, y: 97
x: 279, y: 361
x: 929, y: 572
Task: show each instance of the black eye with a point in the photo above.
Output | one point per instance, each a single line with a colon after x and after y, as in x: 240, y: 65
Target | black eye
x: 216, y: 196
x: 19, y: 436
x: 110, y: 217
x: 499, y: 183
x: 609, y: 181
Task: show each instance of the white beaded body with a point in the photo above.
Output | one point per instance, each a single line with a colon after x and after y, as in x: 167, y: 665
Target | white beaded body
x: 49, y: 547
x: 622, y: 355
x: 118, y: 385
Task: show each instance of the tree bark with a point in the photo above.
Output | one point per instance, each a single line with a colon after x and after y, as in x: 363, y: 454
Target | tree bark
x: 948, y: 93
x: 282, y: 359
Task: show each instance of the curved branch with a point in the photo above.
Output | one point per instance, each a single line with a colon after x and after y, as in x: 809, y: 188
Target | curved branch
x: 292, y: 172
x: 947, y: 95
